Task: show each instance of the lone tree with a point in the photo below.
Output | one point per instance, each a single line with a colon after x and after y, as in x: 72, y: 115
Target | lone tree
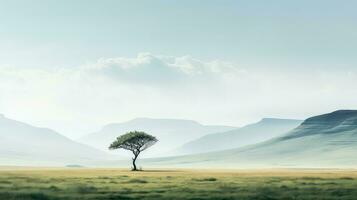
x: 135, y: 142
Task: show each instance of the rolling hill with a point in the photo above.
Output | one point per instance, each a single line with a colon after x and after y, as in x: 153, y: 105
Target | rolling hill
x: 23, y: 144
x: 263, y: 130
x: 328, y: 140
x: 171, y: 133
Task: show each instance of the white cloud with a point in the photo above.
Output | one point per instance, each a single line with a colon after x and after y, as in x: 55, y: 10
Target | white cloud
x: 152, y: 69
x: 215, y: 92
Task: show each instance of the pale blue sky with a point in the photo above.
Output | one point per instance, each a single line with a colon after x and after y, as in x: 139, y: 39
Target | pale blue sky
x: 277, y: 32
x: 75, y: 65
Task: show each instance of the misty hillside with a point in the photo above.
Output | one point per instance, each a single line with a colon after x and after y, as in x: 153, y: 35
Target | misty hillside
x: 171, y: 133
x: 24, y: 144
x: 328, y: 140
x: 263, y: 130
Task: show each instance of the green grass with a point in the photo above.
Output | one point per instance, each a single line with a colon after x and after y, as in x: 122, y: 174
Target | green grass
x: 44, y: 184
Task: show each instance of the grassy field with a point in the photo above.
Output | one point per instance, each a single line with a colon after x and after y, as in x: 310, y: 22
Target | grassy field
x: 45, y: 183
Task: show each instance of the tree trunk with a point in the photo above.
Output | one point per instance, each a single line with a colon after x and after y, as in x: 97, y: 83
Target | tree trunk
x: 134, y: 159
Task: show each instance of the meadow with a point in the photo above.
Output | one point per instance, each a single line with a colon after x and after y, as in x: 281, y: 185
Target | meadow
x: 62, y: 183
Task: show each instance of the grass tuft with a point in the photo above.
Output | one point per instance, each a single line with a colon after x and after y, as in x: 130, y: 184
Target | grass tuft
x: 135, y: 180
x: 205, y: 179
x: 85, y: 189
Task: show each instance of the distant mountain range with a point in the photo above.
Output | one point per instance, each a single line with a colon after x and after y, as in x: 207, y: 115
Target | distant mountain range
x: 171, y: 133
x: 23, y: 144
x: 328, y: 140
x: 263, y: 130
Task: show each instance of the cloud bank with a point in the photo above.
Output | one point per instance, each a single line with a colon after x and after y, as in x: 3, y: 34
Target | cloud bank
x: 149, y: 85
x: 152, y: 69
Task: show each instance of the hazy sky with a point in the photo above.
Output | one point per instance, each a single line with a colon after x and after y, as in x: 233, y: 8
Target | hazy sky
x: 76, y: 65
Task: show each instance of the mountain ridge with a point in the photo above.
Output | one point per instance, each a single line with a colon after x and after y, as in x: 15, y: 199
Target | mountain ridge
x: 313, y: 149
x: 262, y: 130
x: 22, y: 143
x: 330, y: 123
x: 171, y: 133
